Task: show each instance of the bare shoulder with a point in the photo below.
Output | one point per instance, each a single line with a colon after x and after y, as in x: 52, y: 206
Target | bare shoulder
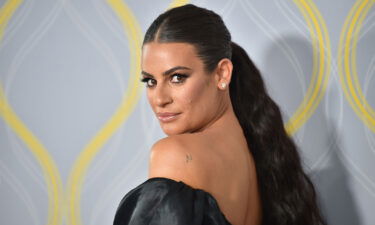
x: 177, y: 157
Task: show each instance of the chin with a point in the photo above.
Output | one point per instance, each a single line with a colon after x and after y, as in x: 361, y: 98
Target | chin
x: 170, y: 129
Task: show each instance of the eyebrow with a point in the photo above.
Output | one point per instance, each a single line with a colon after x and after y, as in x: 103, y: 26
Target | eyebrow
x: 165, y: 73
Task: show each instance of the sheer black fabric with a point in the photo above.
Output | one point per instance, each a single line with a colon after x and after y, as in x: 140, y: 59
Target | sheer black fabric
x: 163, y: 201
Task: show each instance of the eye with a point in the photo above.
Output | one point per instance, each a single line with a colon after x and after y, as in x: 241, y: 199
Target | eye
x: 179, y: 78
x: 148, y: 81
x: 175, y: 78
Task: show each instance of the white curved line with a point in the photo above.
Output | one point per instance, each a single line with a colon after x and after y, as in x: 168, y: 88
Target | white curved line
x: 357, y: 173
x: 22, y: 12
x: 284, y: 47
x: 368, y: 27
x: 369, y: 75
x: 227, y: 9
x: 281, y: 5
x: 98, y: 166
x: 19, y: 189
x: 32, y: 168
x: 97, y: 42
x: 29, y: 43
x: 111, y: 23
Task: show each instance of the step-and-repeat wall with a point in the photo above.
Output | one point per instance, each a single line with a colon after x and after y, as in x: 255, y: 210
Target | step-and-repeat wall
x: 76, y: 127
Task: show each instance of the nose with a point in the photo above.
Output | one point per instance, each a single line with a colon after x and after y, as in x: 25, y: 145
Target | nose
x: 162, y: 96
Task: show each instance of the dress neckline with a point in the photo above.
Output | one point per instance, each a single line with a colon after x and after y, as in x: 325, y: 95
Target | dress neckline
x: 183, y: 183
x: 208, y: 195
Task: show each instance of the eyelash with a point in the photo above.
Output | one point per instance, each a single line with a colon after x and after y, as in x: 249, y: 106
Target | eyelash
x: 182, y: 76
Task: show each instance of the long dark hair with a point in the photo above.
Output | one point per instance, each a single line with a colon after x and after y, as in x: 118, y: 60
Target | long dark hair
x: 287, y: 194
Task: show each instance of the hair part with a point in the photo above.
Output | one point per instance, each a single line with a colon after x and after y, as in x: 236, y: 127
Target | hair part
x: 172, y: 26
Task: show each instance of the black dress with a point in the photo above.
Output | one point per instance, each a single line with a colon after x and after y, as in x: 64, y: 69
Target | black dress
x: 163, y: 201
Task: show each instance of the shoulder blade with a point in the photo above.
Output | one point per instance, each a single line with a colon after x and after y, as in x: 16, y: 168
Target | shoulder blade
x: 172, y: 158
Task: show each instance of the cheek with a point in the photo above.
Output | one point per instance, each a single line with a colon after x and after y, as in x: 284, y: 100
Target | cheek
x: 194, y: 97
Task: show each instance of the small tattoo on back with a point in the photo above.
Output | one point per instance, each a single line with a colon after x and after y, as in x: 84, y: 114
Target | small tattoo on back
x: 188, y: 158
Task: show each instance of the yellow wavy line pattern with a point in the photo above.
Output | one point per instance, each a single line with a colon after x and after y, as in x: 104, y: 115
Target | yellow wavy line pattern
x: 177, y: 3
x: 77, y: 174
x: 354, y: 56
x: 320, y: 74
x: 127, y: 105
x: 6, y: 13
x: 46, y: 162
x: 347, y: 62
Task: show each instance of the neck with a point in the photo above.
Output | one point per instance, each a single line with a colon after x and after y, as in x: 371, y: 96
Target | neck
x: 224, y: 120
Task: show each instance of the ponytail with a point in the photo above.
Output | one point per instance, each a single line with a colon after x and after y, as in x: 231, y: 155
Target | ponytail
x: 288, y: 195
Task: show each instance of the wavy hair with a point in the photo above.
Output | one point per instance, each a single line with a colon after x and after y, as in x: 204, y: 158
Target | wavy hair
x: 287, y: 194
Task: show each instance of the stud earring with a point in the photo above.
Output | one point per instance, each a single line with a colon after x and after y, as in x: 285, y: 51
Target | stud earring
x: 223, y: 85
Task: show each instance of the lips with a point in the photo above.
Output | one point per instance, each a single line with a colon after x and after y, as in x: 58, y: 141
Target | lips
x: 167, y: 116
x: 164, y: 114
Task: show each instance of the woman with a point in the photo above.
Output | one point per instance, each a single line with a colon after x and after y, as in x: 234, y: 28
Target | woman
x: 227, y: 158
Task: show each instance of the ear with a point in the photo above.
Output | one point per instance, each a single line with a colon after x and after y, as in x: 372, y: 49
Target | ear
x: 224, y: 73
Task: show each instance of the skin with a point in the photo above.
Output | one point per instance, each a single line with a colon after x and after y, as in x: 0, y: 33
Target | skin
x: 198, y: 98
x: 191, y: 152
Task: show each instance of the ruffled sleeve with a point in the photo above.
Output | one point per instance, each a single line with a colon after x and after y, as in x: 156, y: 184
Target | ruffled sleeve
x: 163, y: 201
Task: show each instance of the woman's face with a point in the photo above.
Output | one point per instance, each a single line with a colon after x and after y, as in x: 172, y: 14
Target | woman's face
x: 177, y: 83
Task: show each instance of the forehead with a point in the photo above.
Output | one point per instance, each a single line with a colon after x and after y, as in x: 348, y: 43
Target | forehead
x: 162, y: 56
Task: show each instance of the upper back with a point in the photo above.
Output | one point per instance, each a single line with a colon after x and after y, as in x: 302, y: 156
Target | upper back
x: 218, y: 164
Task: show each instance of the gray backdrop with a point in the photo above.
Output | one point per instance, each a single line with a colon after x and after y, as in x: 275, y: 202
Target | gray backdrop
x: 76, y: 127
